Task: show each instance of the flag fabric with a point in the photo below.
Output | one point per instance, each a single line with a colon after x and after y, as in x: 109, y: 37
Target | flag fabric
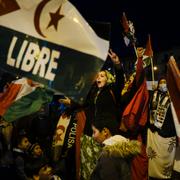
x: 173, y: 82
x: 148, y: 53
x: 42, y: 47
x: 161, y: 153
x: 129, y: 31
x: 8, y: 6
x: 136, y: 111
x: 132, y: 115
x: 146, y: 61
x: 176, y: 164
x: 64, y: 137
x: 134, y: 119
x: 176, y: 122
x: 60, y: 132
x: 23, y: 97
x: 67, y: 134
x: 59, y: 137
x: 81, y: 120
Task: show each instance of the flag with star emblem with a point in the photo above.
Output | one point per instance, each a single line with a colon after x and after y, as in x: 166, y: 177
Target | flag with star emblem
x: 50, y: 42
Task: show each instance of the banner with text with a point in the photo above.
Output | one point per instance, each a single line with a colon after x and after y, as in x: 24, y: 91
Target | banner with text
x: 51, y: 43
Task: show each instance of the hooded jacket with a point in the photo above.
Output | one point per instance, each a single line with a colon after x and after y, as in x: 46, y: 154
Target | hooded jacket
x: 115, y: 159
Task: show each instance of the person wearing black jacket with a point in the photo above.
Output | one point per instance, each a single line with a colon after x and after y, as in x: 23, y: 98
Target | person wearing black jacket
x: 104, y: 96
x: 115, y: 159
x: 161, y: 142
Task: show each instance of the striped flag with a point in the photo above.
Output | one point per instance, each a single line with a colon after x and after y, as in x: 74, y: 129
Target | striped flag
x: 50, y: 42
x: 129, y: 31
x: 148, y: 53
x: 23, y: 97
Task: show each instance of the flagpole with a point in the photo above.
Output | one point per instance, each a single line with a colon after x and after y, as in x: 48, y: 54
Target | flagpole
x: 135, y: 50
x: 152, y: 71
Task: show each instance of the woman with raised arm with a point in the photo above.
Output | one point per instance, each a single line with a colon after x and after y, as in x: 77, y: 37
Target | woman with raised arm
x: 104, y: 96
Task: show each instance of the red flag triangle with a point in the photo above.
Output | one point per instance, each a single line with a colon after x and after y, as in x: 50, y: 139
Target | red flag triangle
x: 7, y: 6
x: 148, y: 50
x: 125, y: 23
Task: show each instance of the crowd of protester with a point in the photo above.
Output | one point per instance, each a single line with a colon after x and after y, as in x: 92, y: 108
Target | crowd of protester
x: 105, y: 146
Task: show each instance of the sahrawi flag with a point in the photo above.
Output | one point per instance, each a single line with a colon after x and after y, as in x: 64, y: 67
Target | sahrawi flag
x: 50, y: 42
x: 23, y: 97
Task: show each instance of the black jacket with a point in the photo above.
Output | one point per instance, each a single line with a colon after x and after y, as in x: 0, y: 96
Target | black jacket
x: 114, y: 162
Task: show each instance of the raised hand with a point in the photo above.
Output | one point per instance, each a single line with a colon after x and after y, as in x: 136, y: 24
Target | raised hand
x: 66, y: 101
x: 114, y: 57
x: 140, y: 52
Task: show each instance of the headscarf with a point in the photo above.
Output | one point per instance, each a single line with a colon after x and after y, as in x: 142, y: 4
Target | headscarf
x: 110, y: 77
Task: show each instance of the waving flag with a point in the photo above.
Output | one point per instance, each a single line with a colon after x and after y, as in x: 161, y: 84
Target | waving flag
x: 148, y: 50
x: 173, y: 82
x: 8, y: 6
x: 51, y: 43
x: 23, y: 97
x: 134, y: 119
x: 129, y: 31
x: 135, y: 113
x: 148, y: 53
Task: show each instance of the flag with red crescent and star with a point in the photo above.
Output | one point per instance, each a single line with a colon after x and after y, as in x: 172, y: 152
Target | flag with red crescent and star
x: 50, y: 42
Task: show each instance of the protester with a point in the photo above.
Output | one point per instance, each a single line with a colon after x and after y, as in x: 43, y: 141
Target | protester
x: 20, y: 148
x: 135, y: 116
x: 161, y: 145
x: 104, y: 96
x: 42, y: 171
x: 36, y: 154
x: 118, y: 151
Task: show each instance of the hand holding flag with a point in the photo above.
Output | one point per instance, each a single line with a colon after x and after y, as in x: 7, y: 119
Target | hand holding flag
x: 147, y: 55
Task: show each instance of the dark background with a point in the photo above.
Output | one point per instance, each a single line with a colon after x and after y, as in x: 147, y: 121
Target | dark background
x: 160, y: 19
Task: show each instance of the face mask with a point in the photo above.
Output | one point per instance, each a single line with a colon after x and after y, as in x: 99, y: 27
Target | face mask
x: 163, y: 87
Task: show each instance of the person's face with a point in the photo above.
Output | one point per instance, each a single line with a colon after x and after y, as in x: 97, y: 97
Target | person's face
x: 97, y: 135
x: 162, y: 81
x: 25, y: 144
x: 101, y: 79
x: 37, y: 151
x: 163, y: 85
x: 45, y: 172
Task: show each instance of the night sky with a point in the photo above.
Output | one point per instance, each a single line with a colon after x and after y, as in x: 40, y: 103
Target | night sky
x: 159, y: 20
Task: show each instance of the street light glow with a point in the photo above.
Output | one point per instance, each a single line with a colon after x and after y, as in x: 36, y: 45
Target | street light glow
x: 155, y: 68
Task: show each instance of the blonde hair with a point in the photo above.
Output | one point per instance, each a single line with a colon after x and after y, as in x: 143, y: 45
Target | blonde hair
x: 110, y: 77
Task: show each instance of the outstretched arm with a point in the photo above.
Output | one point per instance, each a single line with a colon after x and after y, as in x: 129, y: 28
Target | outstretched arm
x: 119, y: 72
